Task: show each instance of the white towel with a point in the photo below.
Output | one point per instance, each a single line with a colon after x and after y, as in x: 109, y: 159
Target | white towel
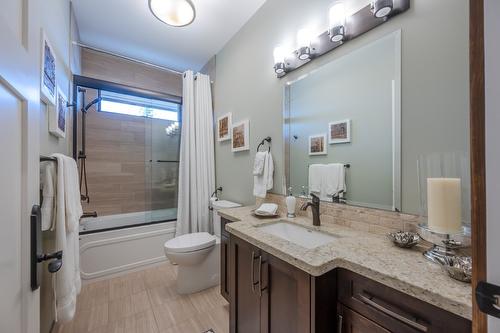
x: 334, y: 179
x: 68, y: 212
x: 267, y: 209
x: 258, y: 164
x: 48, y: 186
x: 316, y: 177
x: 264, y: 182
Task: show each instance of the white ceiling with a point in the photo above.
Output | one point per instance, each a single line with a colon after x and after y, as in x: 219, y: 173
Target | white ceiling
x: 129, y: 28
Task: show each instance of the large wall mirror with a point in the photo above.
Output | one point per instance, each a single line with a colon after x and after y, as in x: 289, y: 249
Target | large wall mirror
x: 379, y: 106
x: 345, y: 129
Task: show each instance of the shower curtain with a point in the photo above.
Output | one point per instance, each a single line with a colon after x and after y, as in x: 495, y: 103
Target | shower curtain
x: 196, y: 166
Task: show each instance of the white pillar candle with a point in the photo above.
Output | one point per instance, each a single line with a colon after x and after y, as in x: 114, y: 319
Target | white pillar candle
x: 444, y: 204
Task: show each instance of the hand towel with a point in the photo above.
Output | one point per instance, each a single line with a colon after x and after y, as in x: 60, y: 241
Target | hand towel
x: 267, y: 209
x: 48, y: 186
x: 264, y: 181
x: 258, y: 164
x: 316, y: 177
x: 334, y: 179
x: 68, y: 212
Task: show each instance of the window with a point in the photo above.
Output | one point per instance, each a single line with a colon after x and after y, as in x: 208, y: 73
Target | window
x: 139, y: 106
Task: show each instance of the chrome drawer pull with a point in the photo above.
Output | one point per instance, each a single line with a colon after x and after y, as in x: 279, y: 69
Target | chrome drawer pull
x: 393, y: 314
x: 339, y: 323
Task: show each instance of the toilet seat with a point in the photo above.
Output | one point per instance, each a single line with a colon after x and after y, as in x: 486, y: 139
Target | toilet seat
x: 190, y: 242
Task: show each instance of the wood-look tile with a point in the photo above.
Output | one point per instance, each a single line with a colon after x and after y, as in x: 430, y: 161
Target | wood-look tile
x: 130, y: 306
x: 140, y: 302
x: 98, y: 316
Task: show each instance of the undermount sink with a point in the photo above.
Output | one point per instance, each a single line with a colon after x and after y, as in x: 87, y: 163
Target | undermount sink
x: 298, y: 234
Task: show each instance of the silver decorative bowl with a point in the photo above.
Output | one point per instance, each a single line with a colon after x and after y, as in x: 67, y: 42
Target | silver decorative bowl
x: 458, y: 267
x: 404, y: 239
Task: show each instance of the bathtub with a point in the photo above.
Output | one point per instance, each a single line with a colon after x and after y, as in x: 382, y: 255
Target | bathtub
x: 117, y: 244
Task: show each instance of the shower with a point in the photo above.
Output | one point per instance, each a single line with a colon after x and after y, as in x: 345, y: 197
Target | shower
x: 127, y: 143
x: 81, y: 155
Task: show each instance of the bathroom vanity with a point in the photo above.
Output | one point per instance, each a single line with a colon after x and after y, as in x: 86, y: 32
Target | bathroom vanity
x: 274, y: 285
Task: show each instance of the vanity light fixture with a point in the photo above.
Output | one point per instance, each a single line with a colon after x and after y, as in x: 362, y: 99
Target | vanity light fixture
x: 382, y: 8
x: 279, y: 60
x: 336, y: 29
x: 176, y: 13
x: 304, y: 43
x: 342, y: 28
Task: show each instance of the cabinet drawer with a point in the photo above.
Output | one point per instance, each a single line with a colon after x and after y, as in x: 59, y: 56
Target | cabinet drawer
x: 395, y: 310
x: 352, y: 322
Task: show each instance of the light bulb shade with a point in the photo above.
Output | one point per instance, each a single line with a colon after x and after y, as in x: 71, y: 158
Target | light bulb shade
x: 382, y: 8
x: 279, y: 55
x: 177, y: 13
x: 304, y: 37
x: 337, y: 15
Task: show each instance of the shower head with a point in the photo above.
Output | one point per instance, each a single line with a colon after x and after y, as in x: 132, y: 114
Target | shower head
x: 95, y: 101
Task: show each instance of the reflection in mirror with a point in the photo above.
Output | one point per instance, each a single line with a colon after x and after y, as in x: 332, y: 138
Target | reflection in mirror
x: 344, y: 128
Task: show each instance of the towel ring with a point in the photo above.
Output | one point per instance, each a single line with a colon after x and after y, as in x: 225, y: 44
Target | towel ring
x: 268, y: 139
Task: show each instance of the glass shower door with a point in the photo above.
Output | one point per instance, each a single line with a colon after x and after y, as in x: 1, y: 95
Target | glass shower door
x: 163, y: 168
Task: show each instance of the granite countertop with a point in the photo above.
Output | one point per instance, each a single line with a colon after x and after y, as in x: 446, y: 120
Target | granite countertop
x: 367, y: 254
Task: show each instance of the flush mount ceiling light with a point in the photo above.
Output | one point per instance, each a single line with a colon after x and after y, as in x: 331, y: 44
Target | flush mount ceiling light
x: 337, y: 22
x: 382, y: 8
x: 177, y: 13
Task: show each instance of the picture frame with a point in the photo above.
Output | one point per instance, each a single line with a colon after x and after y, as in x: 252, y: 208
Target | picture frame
x: 224, y: 127
x: 317, y: 144
x: 240, y: 136
x: 339, y: 131
x: 48, y: 82
x: 58, y: 114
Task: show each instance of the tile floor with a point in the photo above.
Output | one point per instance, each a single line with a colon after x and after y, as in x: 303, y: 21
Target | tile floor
x: 147, y: 302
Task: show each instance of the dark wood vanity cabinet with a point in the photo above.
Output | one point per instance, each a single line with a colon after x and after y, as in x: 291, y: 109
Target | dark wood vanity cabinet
x: 270, y: 295
x: 391, y: 309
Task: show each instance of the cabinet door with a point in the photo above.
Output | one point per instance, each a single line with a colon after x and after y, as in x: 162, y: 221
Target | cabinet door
x: 286, y: 297
x: 224, y: 267
x: 352, y: 322
x: 245, y: 300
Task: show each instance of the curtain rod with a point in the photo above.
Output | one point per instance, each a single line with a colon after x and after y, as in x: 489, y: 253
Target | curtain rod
x: 126, y: 58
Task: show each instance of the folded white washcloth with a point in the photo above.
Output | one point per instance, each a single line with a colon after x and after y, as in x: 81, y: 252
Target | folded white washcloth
x: 267, y: 209
x: 258, y: 164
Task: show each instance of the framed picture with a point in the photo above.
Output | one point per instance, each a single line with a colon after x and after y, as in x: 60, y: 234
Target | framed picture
x: 57, y: 115
x: 339, y: 131
x: 317, y: 144
x: 48, y: 89
x: 224, y: 127
x: 240, y: 136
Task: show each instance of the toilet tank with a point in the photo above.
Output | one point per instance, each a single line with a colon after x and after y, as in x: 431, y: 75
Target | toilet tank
x: 220, y: 204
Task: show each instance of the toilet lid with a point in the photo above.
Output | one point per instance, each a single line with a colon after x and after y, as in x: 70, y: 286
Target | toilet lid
x: 190, y: 242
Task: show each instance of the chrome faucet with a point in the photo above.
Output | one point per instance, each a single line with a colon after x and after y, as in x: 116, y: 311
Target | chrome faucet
x: 314, y: 204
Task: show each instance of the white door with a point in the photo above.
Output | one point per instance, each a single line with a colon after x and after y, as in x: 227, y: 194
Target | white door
x: 492, y: 86
x: 19, y: 166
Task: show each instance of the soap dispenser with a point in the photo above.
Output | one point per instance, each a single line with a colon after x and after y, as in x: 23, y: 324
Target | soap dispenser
x: 290, y: 203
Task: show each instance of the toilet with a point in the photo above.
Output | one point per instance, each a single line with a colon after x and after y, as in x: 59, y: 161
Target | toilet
x: 198, y: 255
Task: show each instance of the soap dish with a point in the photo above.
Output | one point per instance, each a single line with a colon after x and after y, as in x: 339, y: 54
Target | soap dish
x: 404, y: 239
x: 458, y: 267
